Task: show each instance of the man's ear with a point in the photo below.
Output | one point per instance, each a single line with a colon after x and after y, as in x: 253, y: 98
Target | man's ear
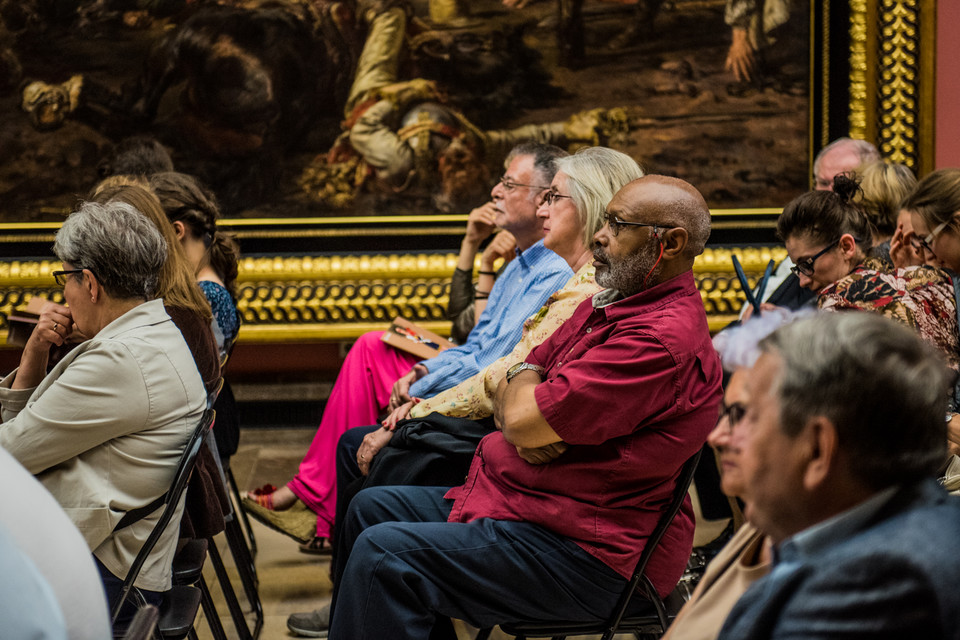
x: 674, y: 242
x: 820, y: 436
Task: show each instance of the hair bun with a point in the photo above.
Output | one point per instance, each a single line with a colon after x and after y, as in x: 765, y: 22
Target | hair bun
x: 846, y: 185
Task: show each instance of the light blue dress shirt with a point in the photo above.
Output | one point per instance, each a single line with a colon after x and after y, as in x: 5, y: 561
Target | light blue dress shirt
x: 523, y: 287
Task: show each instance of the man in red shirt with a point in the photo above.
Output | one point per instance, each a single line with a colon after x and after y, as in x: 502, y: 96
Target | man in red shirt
x: 594, y: 429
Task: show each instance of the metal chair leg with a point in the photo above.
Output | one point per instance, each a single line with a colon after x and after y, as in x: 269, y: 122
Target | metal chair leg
x: 235, y: 490
x: 239, y: 621
x: 244, y: 564
x: 241, y: 555
x: 210, y: 611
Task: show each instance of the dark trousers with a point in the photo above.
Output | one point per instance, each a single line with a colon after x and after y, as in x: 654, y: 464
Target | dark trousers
x: 406, y: 570
x: 113, y: 585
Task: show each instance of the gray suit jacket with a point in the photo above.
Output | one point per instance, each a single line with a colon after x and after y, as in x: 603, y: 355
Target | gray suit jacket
x: 104, y: 431
x: 896, y: 577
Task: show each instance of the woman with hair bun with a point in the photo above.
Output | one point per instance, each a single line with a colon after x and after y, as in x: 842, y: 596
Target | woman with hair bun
x: 193, y: 212
x: 828, y: 237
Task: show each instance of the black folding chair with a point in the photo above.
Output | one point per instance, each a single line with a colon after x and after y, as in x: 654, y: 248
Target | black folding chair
x: 181, y: 603
x: 618, y: 621
x: 144, y: 623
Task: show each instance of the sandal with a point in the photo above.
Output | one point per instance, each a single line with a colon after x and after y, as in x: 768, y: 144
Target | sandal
x: 263, y: 496
x: 317, y: 547
x: 298, y: 521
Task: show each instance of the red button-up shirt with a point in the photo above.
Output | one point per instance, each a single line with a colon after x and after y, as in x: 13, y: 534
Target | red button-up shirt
x: 633, y: 387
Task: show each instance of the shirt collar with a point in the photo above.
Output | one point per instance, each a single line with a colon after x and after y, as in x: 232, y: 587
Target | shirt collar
x: 616, y: 306
x: 150, y: 312
x: 839, y: 527
x: 532, y: 254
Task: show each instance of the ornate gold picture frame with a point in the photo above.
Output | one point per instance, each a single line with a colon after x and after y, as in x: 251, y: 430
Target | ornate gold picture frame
x: 330, y: 279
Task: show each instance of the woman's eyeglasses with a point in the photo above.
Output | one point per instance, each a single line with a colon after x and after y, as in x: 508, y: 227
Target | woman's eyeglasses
x: 805, y: 266
x: 61, y: 276
x: 924, y: 244
x: 551, y: 197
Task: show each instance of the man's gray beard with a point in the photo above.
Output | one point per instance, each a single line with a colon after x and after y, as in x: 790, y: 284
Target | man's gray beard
x: 627, y: 275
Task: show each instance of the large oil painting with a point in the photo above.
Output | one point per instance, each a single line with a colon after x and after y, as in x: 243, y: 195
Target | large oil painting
x: 301, y: 109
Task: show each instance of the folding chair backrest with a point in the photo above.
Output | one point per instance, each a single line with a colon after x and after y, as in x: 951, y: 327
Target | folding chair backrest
x: 185, y: 467
x: 639, y: 577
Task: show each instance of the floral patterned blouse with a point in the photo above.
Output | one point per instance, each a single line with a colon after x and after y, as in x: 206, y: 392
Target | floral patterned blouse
x: 473, y: 398
x: 920, y: 297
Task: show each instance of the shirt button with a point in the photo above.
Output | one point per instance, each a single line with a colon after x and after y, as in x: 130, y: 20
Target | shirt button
x: 589, y: 329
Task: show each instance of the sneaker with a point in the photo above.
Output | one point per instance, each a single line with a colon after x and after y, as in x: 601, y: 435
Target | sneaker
x: 315, y: 624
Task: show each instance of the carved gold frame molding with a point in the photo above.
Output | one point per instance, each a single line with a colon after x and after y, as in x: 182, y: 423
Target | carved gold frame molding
x: 339, y: 297
x: 892, y: 78
x: 334, y: 278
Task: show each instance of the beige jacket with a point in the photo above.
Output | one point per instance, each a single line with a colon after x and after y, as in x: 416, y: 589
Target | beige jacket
x: 104, y: 432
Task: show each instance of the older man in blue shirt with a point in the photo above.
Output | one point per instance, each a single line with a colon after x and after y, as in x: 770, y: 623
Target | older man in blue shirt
x: 364, y: 384
x: 525, y: 283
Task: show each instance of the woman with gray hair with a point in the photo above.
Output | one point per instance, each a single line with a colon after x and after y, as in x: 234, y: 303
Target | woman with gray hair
x: 570, y: 219
x: 104, y: 429
x: 572, y: 212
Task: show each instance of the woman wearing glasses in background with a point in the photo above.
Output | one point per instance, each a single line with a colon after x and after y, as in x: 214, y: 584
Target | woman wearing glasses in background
x: 933, y: 209
x: 828, y: 237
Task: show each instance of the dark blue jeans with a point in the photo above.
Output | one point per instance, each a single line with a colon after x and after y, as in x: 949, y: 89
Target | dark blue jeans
x: 112, y: 585
x: 409, y: 569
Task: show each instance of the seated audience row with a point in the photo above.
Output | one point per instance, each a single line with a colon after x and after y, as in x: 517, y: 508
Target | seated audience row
x: 375, y: 375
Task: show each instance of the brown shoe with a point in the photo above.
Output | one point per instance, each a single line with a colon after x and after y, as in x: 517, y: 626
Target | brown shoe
x: 298, y: 522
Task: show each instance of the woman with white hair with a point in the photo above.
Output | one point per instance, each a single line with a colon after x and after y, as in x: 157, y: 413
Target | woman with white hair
x: 571, y: 211
x: 105, y: 428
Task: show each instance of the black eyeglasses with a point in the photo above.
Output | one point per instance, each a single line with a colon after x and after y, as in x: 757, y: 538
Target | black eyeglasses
x: 923, y: 244
x: 616, y: 224
x: 733, y: 413
x: 510, y: 185
x: 61, y: 276
x: 550, y: 197
x: 805, y: 266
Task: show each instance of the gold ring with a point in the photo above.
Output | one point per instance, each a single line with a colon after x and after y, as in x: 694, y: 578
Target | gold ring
x: 56, y: 325
x: 361, y: 457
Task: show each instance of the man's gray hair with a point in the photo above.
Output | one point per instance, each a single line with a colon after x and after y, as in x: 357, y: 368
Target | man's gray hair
x: 739, y: 346
x: 883, y: 388
x: 866, y: 151
x: 545, y: 158
x: 595, y: 175
x: 122, y: 248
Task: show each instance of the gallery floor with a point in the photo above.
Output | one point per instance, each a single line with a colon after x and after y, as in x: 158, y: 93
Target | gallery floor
x: 290, y: 581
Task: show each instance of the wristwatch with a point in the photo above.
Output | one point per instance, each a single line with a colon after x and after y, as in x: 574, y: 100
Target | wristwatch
x: 520, y: 366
